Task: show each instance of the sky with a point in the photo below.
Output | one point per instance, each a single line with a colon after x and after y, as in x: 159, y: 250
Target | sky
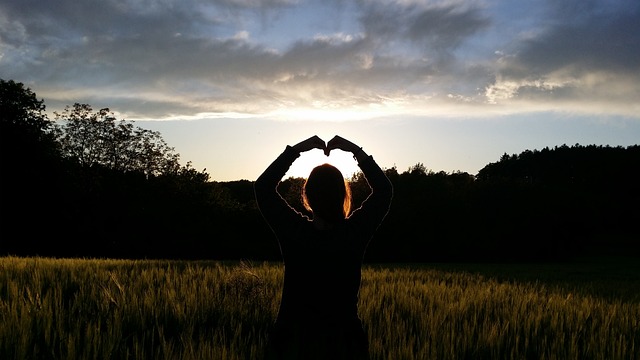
x: 450, y: 84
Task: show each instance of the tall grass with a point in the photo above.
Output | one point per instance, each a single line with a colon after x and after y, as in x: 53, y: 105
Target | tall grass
x: 125, y: 309
x: 431, y: 314
x: 118, y: 309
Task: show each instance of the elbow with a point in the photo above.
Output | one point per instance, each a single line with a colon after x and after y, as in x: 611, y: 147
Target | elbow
x: 262, y: 188
x: 260, y: 184
x: 258, y: 189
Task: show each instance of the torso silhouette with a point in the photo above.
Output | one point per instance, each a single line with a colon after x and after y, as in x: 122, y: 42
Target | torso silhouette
x: 318, y: 314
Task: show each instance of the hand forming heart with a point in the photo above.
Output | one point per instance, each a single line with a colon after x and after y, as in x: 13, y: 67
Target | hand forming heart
x: 315, y: 142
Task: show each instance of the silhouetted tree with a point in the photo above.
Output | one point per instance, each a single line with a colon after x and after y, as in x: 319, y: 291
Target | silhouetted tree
x: 96, y: 186
x: 97, y: 138
x: 26, y: 133
x: 29, y: 168
x: 564, y: 201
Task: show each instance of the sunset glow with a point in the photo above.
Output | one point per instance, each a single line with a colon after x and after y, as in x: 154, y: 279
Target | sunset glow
x: 452, y: 84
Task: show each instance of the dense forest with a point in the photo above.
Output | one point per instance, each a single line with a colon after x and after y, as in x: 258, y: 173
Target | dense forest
x: 89, y: 185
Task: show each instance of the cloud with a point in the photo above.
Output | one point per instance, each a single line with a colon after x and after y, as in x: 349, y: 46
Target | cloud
x: 435, y: 28
x: 171, y: 57
x: 588, y: 56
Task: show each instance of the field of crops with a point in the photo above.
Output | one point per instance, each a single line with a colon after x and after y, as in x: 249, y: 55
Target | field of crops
x: 152, y: 309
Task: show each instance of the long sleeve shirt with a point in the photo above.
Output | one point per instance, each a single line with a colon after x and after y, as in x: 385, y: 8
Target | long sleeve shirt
x: 322, y: 267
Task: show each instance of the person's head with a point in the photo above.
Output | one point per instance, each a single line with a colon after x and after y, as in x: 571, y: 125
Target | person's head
x: 327, y: 194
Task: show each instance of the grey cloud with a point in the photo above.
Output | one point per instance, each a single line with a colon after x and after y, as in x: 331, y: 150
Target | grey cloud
x: 145, y: 48
x: 588, y: 52
x: 109, y: 18
x: 124, y: 41
x: 138, y: 42
x: 588, y: 41
x: 156, y: 56
x: 129, y: 17
x: 446, y: 27
x: 251, y: 4
x: 321, y: 56
x: 438, y: 27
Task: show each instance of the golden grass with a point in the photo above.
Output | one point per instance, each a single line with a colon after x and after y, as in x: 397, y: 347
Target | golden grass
x: 152, y: 309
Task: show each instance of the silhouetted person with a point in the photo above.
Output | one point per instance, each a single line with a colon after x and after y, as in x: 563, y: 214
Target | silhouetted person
x: 318, y: 315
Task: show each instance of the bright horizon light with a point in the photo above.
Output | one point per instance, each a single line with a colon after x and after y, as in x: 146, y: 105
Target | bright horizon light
x: 307, y: 161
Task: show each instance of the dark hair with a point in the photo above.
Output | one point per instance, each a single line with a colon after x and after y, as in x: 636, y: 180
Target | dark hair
x: 327, y: 194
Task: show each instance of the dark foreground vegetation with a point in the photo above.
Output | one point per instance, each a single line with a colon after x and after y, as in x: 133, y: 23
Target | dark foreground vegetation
x: 87, y: 185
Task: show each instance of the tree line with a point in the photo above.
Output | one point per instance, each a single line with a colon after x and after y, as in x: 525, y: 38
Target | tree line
x: 89, y: 185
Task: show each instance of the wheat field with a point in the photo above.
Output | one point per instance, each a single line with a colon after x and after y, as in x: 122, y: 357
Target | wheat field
x: 156, y: 309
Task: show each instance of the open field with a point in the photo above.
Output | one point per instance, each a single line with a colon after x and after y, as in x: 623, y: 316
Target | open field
x: 152, y: 309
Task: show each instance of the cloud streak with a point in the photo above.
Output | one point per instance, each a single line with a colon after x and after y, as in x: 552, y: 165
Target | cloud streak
x: 594, y: 56
x: 153, y: 59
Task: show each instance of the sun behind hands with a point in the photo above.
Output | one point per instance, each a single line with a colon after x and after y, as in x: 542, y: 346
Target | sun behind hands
x: 308, y: 160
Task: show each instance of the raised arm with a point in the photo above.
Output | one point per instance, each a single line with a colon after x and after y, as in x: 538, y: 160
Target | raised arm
x: 378, y: 181
x: 270, y: 203
x: 376, y: 206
